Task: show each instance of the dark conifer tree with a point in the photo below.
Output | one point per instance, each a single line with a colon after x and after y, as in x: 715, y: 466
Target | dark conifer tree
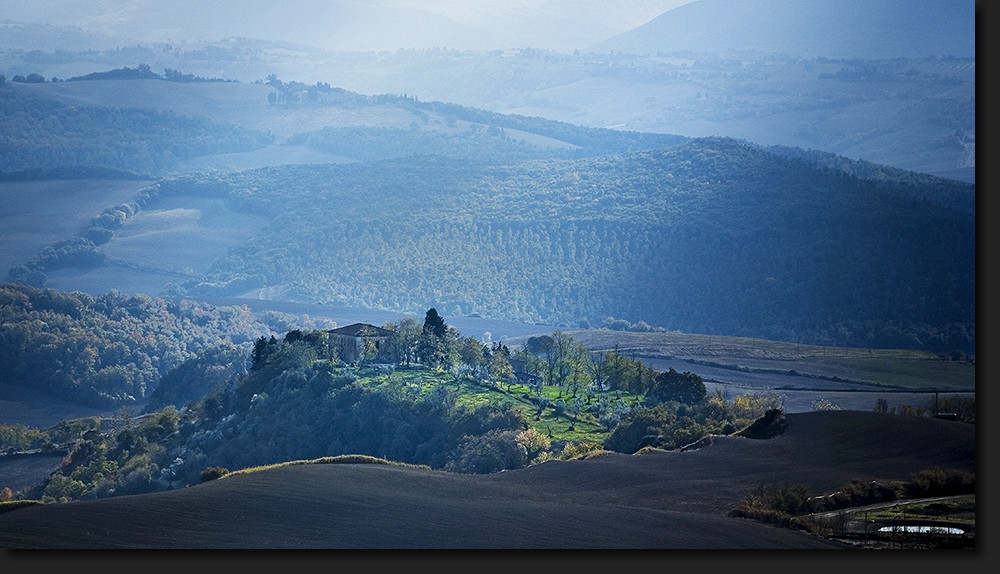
x: 433, y: 323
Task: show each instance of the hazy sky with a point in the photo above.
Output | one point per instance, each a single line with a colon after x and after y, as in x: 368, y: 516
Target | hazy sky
x: 354, y: 24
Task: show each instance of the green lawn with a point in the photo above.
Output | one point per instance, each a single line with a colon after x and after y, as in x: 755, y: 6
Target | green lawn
x: 562, y: 428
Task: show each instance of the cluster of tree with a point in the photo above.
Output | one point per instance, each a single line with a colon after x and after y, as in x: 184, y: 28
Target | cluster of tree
x: 73, y: 252
x: 32, y: 78
x: 288, y: 93
x: 113, y: 349
x: 43, y: 133
x: 177, y: 76
x: 20, y: 438
x: 129, y: 460
x: 140, y: 72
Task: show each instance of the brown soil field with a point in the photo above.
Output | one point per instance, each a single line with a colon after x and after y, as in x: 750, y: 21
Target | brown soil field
x: 659, y: 500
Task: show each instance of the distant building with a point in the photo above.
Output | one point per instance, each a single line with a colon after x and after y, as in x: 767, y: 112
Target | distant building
x: 348, y: 343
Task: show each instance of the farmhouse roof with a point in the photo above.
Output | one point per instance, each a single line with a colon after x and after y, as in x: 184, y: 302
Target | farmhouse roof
x: 362, y: 330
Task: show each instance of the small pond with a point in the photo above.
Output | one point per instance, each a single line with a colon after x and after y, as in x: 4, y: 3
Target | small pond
x: 914, y: 529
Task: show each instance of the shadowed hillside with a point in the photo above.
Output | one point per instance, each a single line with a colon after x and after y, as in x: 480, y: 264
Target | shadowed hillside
x: 666, y: 500
x: 709, y: 236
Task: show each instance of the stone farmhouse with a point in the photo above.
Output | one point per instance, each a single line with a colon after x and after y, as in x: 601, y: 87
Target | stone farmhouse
x: 348, y: 343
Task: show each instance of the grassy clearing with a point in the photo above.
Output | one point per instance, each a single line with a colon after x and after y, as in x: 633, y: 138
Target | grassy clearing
x: 584, y: 428
x: 182, y: 235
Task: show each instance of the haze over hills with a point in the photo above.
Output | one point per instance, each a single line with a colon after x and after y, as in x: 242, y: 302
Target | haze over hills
x: 886, y: 83
x: 820, y: 28
x: 839, y: 29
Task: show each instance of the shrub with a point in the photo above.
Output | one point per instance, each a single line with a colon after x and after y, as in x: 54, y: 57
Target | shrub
x: 491, y: 452
x: 534, y: 443
x: 775, y: 504
x: 574, y: 450
x: 8, y: 505
x: 824, y: 405
x: 858, y: 493
x: 643, y: 427
x: 772, y: 424
x: 941, y: 482
x: 212, y: 473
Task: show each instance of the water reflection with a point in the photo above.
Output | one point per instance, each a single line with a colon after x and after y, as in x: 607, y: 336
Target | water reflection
x: 915, y: 529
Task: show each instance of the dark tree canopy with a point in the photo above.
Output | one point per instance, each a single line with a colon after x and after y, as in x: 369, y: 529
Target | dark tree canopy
x: 686, y: 387
x: 643, y: 427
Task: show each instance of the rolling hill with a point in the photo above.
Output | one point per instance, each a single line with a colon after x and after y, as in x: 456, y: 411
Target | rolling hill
x: 659, y: 500
x: 876, y: 81
x: 477, y: 211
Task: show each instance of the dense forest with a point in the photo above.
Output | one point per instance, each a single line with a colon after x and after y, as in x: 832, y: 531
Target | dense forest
x: 713, y: 236
x: 112, y: 350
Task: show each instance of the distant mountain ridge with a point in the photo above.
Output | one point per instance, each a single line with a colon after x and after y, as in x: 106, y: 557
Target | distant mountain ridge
x: 862, y: 29
x: 865, y: 29
x: 915, y: 112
